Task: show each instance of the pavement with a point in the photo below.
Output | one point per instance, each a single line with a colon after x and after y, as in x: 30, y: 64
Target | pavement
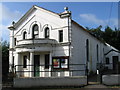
x: 94, y: 82
x: 96, y: 86
x: 0, y: 86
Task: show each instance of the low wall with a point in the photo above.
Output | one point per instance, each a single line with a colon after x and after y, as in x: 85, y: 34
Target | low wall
x: 111, y: 79
x: 49, y: 81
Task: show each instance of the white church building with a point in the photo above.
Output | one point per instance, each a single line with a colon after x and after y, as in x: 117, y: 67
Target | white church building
x: 48, y: 44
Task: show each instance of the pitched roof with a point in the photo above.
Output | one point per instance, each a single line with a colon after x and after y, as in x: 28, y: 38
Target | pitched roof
x: 88, y: 32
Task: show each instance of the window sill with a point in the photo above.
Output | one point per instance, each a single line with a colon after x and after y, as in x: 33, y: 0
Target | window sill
x: 61, y: 69
x: 25, y: 68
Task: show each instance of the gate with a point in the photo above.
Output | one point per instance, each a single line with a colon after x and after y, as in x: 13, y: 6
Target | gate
x: 96, y: 78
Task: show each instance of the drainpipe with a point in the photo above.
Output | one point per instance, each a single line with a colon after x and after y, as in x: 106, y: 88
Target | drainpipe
x: 69, y: 36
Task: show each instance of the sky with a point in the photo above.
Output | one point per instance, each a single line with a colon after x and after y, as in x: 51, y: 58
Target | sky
x: 87, y: 14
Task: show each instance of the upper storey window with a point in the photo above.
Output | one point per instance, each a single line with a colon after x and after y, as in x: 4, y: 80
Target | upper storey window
x: 61, y: 36
x: 15, y: 40
x: 25, y: 35
x: 47, y: 32
x: 35, y: 31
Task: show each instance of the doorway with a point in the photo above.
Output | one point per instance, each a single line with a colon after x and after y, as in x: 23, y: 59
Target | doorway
x: 36, y: 65
x: 115, y: 62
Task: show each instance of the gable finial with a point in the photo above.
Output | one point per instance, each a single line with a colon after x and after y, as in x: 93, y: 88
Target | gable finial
x: 66, y: 8
x: 13, y: 23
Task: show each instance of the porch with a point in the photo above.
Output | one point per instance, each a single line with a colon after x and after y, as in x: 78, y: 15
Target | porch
x: 29, y: 63
x: 43, y: 64
x: 52, y: 71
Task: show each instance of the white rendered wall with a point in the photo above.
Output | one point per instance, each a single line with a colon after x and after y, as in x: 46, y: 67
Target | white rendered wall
x: 110, y: 55
x: 46, y: 81
x: 79, y: 38
x: 44, y: 19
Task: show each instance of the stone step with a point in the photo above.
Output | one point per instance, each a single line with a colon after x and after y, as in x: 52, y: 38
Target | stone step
x: 93, y: 83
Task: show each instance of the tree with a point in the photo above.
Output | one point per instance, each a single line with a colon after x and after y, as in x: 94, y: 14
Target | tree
x: 5, y: 51
x: 109, y: 35
x: 97, y: 32
x: 5, y: 58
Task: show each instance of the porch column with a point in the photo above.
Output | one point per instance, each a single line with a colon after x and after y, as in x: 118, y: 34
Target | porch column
x: 31, y: 63
x: 18, y: 63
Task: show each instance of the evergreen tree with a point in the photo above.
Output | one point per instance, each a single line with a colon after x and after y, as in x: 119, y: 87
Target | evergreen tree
x: 5, y: 59
x: 109, y: 35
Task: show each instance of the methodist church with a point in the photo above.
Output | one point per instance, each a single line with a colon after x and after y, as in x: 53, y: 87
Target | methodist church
x: 48, y: 44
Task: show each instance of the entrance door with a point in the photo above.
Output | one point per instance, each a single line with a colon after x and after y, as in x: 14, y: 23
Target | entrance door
x: 115, y: 62
x: 36, y: 65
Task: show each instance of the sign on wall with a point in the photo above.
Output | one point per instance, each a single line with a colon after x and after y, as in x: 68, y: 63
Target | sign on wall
x: 60, y: 62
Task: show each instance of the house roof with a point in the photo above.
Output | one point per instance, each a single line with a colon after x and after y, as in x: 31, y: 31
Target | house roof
x: 88, y: 32
x: 113, y: 48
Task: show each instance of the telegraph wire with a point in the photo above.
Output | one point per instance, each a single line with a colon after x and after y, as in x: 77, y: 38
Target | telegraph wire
x: 110, y: 13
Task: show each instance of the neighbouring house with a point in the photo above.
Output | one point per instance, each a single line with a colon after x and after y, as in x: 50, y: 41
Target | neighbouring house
x: 48, y: 44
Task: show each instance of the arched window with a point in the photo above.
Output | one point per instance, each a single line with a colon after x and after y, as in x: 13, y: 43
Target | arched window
x: 87, y: 50
x: 97, y: 53
x: 35, y: 31
x: 47, y: 32
x: 25, y: 35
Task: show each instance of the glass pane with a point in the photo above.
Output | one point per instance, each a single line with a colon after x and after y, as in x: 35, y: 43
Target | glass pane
x: 46, y: 32
x: 47, y: 61
x: 56, y: 63
x: 60, y: 36
x: 25, y: 62
x: 64, y: 63
x: 35, y: 28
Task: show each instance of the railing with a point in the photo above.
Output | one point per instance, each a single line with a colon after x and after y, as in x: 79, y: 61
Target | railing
x: 103, y: 65
x: 75, y: 69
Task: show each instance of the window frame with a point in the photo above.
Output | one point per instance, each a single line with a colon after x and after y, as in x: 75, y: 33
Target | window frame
x: 47, y: 32
x: 47, y: 61
x: 24, y: 61
x: 33, y: 31
x: 60, y: 63
x: 15, y: 41
x: 97, y: 52
x: 87, y: 50
x: 60, y: 35
x: 24, y: 35
x: 107, y: 60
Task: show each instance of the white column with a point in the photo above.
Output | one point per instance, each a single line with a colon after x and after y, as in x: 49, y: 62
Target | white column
x: 31, y: 63
x: 10, y: 61
x: 11, y: 38
x: 18, y: 63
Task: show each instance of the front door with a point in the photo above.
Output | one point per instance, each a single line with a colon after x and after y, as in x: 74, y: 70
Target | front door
x: 36, y: 65
x: 115, y: 62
